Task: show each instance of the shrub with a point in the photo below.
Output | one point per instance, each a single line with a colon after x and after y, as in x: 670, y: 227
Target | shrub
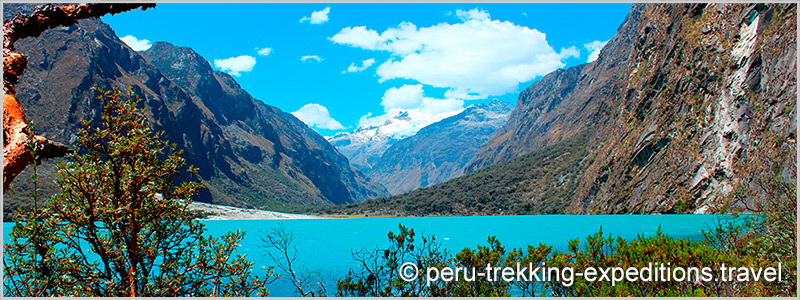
x: 120, y: 226
x: 700, y: 262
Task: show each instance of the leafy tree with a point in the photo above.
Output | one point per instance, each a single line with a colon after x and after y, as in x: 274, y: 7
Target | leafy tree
x: 379, y: 277
x: 120, y: 226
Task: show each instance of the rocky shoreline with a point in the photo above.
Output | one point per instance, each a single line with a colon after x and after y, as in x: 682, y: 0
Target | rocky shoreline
x: 222, y: 212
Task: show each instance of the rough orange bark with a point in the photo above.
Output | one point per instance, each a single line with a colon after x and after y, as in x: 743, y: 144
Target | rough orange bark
x: 17, y: 138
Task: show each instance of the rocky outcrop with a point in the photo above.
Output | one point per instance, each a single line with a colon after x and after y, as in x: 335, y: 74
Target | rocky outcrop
x: 680, y: 95
x: 707, y: 87
x: 249, y: 154
x: 439, y: 152
x: 690, y: 108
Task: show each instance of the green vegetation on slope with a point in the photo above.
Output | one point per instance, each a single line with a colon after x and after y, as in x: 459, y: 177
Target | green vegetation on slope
x: 540, y: 182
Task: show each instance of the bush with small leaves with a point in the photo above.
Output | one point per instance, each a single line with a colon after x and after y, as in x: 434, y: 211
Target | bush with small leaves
x: 121, y: 226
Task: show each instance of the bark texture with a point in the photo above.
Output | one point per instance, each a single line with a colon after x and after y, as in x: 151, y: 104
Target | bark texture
x: 18, y: 141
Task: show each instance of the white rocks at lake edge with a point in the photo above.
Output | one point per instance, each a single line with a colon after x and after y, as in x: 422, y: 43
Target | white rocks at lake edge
x: 222, y: 212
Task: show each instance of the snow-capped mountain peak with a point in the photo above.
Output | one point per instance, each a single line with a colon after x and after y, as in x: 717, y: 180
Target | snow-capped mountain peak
x: 365, y: 145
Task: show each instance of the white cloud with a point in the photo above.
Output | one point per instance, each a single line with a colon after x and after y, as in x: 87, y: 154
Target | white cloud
x: 472, y: 14
x: 364, y: 65
x: 315, y: 115
x: 417, y: 111
x: 404, y: 97
x: 311, y: 57
x: 236, y: 65
x: 136, y: 44
x: 264, y: 51
x: 569, y: 52
x: 594, y: 49
x: 317, y: 17
x: 475, y: 59
x: 359, y: 37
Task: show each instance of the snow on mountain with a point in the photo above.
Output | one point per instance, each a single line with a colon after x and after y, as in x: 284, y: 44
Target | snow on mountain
x: 365, y: 145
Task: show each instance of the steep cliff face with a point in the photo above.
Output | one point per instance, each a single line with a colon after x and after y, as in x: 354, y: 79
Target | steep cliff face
x: 249, y: 153
x: 563, y: 103
x: 670, y: 103
x: 439, y: 152
x: 708, y: 90
x: 686, y: 104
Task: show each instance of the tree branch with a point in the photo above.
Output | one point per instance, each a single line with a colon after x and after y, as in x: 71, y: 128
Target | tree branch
x: 18, y: 140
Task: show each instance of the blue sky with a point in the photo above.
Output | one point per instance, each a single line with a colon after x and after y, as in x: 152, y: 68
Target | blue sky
x: 338, y: 66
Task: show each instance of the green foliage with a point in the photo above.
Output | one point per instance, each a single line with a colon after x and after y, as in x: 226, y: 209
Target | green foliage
x: 701, y: 262
x: 644, y: 252
x: 379, y: 275
x: 540, y: 182
x: 534, y: 256
x: 474, y: 260
x: 120, y: 226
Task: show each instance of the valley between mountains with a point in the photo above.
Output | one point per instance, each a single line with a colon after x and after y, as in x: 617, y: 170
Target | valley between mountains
x: 685, y: 108
x: 688, y: 109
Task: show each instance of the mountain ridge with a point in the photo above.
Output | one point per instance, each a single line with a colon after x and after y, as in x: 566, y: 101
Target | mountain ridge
x: 686, y: 110
x: 365, y: 145
x: 439, y: 151
x: 282, y: 165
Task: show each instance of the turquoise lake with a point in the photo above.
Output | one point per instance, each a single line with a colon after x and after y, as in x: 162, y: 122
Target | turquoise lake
x: 325, y: 244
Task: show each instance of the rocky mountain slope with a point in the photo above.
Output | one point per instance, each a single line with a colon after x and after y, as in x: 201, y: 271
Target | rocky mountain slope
x: 439, y: 152
x: 249, y: 154
x: 672, y: 102
x: 686, y: 108
x: 365, y: 145
x: 540, y: 182
x: 710, y: 90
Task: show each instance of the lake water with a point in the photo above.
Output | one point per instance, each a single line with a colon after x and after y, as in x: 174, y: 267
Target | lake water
x: 326, y: 244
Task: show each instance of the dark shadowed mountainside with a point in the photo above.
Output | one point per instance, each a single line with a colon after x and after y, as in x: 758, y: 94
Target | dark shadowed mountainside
x: 249, y: 154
